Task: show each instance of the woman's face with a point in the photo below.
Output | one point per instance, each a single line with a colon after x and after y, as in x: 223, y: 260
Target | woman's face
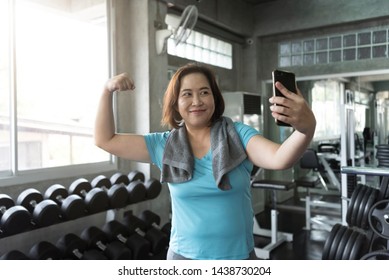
x: 196, y: 104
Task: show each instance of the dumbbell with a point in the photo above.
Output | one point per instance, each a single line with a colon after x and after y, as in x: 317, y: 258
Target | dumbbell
x: 97, y: 239
x: 153, y: 220
x: 136, y: 192
x: 158, y: 240
x: 14, y: 255
x: 73, y: 247
x: 72, y: 206
x: 117, y: 193
x: 45, y: 212
x: 96, y: 200
x: 119, y: 178
x: 139, y: 246
x: 153, y: 188
x: 45, y: 250
x: 136, y: 176
x: 14, y: 218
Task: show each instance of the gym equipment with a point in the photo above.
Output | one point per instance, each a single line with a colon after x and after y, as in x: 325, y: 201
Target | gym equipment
x: 139, y: 246
x: 45, y: 250
x: 153, y: 220
x: 97, y: 239
x: 117, y: 193
x: 344, y: 243
x: 72, y: 206
x: 277, y: 237
x: 312, y: 180
x: 153, y: 188
x: 73, y: 247
x: 96, y: 199
x: 377, y: 255
x: 158, y: 240
x: 136, y: 192
x: 119, y: 178
x: 378, y: 218
x: 14, y: 255
x: 45, y: 212
x: 136, y: 176
x: 14, y: 218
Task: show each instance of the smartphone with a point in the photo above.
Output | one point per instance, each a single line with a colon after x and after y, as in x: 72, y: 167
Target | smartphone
x: 286, y: 78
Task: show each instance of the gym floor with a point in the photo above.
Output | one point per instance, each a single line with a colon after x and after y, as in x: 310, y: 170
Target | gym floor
x: 307, y: 244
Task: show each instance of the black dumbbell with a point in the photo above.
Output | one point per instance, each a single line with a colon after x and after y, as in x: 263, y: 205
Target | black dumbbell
x: 119, y: 178
x: 136, y: 176
x: 14, y: 218
x: 96, y: 199
x: 153, y: 220
x: 73, y: 247
x: 72, y: 206
x: 139, y: 246
x: 45, y: 212
x: 45, y: 250
x: 153, y: 188
x: 97, y: 239
x: 117, y: 193
x: 136, y: 192
x: 14, y: 255
x: 158, y: 240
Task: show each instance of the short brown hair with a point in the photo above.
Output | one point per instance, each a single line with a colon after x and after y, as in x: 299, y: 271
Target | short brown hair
x: 170, y: 115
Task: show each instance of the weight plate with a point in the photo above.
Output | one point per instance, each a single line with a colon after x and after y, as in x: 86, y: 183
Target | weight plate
x: 357, y: 250
x: 29, y: 198
x: 380, y: 216
x: 73, y: 207
x: 335, y: 244
x: 372, y: 199
x: 342, y: 244
x: 6, y: 202
x: 329, y: 241
x: 136, y: 192
x: 46, y: 213
x: 362, y: 207
x: 16, y: 220
x: 349, y: 245
x: 118, y: 196
x: 56, y: 193
x: 358, y: 200
x: 119, y: 178
x: 153, y: 188
x: 80, y: 186
x: 101, y: 182
x: 135, y: 176
x: 352, y: 203
x: 96, y: 201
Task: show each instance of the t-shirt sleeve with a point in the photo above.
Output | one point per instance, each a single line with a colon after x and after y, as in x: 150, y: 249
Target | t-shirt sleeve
x: 245, y: 132
x: 155, y: 143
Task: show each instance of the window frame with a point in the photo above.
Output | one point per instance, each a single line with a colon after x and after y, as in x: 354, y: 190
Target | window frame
x: 18, y: 177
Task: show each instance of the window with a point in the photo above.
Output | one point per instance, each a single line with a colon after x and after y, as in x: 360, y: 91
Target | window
x: 53, y: 59
x: 203, y: 48
x: 326, y: 105
x: 364, y: 44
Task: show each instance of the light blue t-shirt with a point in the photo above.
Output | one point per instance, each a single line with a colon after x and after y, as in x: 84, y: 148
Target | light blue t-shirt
x: 209, y: 223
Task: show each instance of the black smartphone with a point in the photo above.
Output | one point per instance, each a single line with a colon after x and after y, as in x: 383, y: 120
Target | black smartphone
x: 288, y: 79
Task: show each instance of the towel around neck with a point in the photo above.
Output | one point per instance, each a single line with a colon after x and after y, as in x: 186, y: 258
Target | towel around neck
x: 226, y: 147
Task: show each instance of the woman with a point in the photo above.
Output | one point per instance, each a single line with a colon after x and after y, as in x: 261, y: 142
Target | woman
x: 206, y: 159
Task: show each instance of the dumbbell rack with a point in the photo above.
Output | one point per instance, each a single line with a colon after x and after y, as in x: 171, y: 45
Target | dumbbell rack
x: 142, y: 191
x: 383, y: 195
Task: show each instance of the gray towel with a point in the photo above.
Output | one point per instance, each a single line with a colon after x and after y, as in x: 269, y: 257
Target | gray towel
x: 227, y: 153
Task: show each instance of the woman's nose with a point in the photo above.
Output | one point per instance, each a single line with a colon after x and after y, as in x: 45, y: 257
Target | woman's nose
x: 196, y: 100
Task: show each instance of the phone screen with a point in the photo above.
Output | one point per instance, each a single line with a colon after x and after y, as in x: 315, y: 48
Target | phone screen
x: 288, y: 80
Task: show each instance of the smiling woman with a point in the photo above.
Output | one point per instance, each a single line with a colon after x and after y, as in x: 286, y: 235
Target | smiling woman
x: 206, y: 159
